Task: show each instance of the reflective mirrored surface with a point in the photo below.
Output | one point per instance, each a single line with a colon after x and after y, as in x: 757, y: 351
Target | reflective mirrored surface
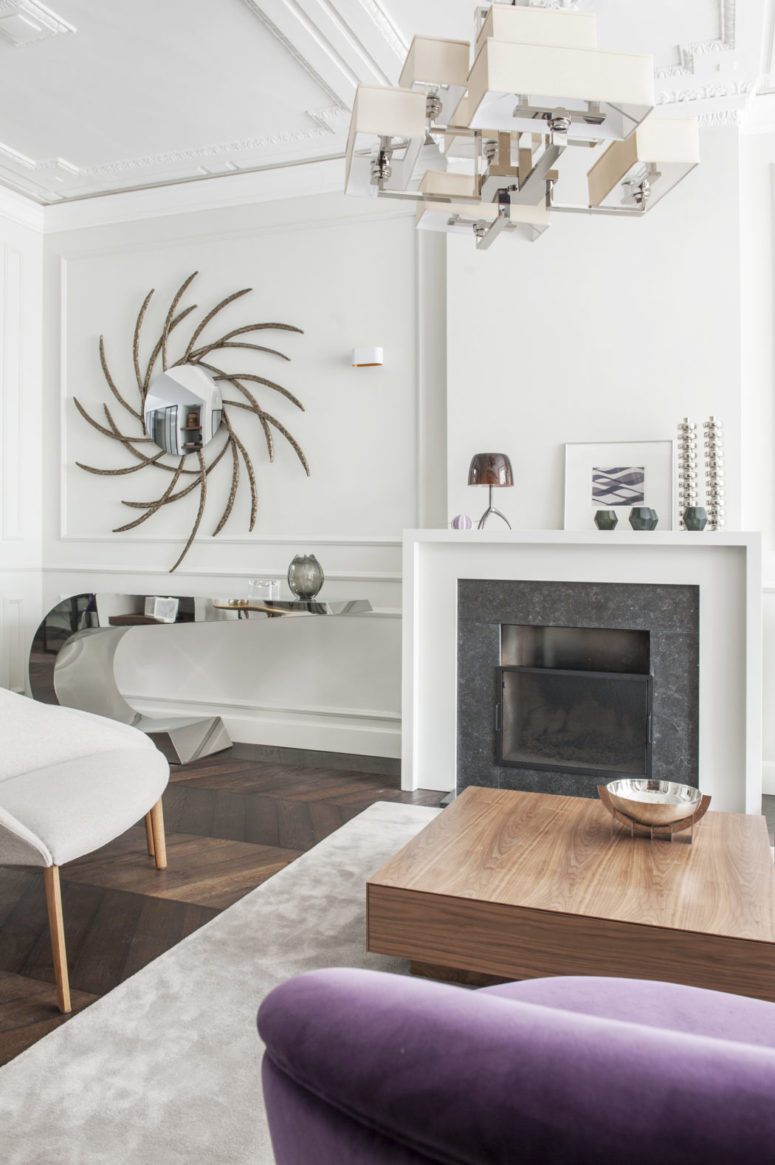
x: 72, y: 652
x: 183, y: 409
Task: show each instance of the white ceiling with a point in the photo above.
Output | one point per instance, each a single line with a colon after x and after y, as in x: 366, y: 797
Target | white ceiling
x: 143, y: 93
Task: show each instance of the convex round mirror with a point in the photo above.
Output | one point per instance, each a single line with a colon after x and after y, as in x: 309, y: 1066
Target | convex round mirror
x: 183, y: 409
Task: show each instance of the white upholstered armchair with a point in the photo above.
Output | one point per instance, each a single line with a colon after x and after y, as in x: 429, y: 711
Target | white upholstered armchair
x: 70, y: 782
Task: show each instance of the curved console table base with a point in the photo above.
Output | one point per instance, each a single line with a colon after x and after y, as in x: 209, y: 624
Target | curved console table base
x: 83, y: 677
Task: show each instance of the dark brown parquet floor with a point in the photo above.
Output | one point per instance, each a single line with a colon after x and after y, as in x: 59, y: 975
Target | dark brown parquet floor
x: 232, y: 820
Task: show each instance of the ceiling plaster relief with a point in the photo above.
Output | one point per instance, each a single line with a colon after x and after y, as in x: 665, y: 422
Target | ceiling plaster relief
x: 341, y: 43
x: 25, y: 22
x: 386, y: 28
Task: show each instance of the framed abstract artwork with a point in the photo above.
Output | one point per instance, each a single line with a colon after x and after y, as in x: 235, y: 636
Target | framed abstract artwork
x: 616, y: 475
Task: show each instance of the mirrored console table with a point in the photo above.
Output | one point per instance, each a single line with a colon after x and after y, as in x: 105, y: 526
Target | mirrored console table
x: 73, y: 653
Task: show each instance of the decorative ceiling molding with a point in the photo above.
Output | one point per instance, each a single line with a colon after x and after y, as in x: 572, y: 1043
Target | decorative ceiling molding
x: 244, y: 146
x: 290, y: 47
x: 695, y: 52
x: 25, y: 22
x: 340, y: 45
x: 57, y: 178
x: 723, y: 91
x: 714, y: 72
x: 722, y: 117
x: 216, y: 192
x: 385, y: 25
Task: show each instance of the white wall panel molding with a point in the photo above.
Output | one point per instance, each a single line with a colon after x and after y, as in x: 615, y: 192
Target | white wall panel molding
x: 59, y: 370
x: 215, y: 707
x: 12, y: 469
x: 176, y: 584
x: 254, y: 540
x: 768, y: 778
x: 431, y: 452
x: 13, y: 642
x: 320, y: 372
x: 363, y: 737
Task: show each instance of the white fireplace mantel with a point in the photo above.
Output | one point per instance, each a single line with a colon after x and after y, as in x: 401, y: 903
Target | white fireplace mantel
x: 725, y: 566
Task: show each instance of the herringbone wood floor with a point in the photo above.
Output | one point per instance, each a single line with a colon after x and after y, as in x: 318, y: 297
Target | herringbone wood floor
x: 232, y: 821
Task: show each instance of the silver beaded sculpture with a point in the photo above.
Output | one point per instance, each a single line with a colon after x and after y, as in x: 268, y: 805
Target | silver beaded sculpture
x: 687, y: 468
x: 714, y: 472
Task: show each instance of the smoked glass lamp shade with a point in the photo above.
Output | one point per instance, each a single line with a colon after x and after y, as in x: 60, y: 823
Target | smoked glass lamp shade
x: 490, y: 469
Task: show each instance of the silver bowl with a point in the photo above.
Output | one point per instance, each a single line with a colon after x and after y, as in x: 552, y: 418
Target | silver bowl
x: 654, y: 802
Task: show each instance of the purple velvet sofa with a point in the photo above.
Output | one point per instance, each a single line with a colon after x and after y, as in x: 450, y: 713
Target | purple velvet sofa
x: 365, y: 1068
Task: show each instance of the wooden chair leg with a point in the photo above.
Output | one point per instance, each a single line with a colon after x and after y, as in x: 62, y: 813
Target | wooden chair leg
x: 159, y: 844
x: 57, y: 930
x: 149, y: 834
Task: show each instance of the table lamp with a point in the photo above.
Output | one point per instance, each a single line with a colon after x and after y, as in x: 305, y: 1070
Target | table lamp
x: 490, y: 469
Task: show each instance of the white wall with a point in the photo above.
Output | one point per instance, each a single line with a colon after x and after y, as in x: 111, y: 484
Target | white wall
x: 347, y: 274
x: 21, y: 272
x: 611, y: 330
x: 757, y: 263
x: 603, y: 330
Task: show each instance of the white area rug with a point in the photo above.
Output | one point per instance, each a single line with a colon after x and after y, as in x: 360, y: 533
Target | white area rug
x: 165, y: 1068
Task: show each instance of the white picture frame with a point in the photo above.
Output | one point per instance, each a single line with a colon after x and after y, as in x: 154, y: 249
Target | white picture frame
x: 644, y: 477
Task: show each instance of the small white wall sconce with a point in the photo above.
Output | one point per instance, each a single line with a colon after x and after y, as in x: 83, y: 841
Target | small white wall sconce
x: 367, y: 357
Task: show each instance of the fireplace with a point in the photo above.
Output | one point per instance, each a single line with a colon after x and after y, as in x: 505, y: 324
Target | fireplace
x: 574, y: 698
x: 564, y: 685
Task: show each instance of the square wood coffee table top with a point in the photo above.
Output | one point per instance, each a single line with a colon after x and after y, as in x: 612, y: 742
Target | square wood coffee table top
x: 560, y: 854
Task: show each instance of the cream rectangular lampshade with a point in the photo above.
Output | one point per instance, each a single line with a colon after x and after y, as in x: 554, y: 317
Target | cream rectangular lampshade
x: 529, y: 221
x: 367, y: 357
x: 434, y: 216
x: 534, y: 26
x: 667, y: 147
x: 532, y: 79
x: 394, y: 113
x: 439, y: 66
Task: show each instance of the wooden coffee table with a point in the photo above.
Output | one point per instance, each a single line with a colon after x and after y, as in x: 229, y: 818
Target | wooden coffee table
x: 519, y: 885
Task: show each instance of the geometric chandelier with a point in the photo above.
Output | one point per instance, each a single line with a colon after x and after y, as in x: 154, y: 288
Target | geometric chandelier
x: 534, y: 121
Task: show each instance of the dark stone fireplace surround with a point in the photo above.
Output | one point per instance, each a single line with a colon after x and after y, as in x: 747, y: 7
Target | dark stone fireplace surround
x: 670, y: 613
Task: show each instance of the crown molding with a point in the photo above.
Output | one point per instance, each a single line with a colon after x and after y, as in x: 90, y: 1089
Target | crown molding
x: 20, y: 210
x: 323, y: 176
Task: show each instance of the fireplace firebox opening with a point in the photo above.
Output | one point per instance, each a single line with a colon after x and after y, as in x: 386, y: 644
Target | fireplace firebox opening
x: 575, y: 699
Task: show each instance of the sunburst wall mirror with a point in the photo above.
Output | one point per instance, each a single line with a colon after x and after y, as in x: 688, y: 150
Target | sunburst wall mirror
x: 177, y: 421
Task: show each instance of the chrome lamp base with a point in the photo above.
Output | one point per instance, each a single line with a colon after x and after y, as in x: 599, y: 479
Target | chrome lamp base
x: 491, y: 510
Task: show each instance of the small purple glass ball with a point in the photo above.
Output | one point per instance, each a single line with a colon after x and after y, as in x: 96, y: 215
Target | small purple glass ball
x: 462, y: 522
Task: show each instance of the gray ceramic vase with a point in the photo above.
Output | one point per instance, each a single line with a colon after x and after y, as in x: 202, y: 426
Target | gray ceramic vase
x: 695, y: 517
x: 606, y: 519
x: 643, y: 518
